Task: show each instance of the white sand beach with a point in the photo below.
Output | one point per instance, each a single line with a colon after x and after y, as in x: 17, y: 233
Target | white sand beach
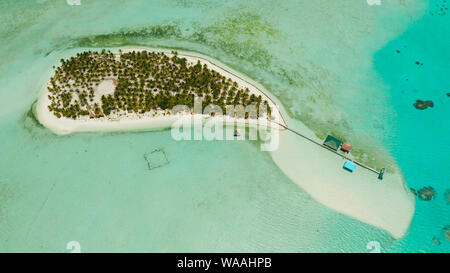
x: 386, y: 204
x: 154, y: 120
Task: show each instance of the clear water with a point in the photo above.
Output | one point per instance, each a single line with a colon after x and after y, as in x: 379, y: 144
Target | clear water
x: 420, y: 143
x: 220, y: 196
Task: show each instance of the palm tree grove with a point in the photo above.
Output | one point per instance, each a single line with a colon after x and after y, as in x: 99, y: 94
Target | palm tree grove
x: 144, y: 81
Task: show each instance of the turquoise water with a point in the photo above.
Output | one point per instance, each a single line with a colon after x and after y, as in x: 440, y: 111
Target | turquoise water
x: 220, y: 196
x: 420, y: 142
x: 212, y: 196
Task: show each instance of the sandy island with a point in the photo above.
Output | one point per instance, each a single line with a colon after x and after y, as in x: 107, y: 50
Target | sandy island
x: 152, y: 120
x: 386, y: 204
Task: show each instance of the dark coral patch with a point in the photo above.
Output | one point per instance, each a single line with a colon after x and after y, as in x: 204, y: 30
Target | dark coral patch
x: 422, y: 105
x: 426, y: 193
x: 447, y: 232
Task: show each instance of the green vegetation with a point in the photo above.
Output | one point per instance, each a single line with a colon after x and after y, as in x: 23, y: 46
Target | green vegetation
x: 124, y: 36
x: 144, y: 81
x: 242, y: 39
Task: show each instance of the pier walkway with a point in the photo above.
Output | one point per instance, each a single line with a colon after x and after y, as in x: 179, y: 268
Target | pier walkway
x: 331, y: 150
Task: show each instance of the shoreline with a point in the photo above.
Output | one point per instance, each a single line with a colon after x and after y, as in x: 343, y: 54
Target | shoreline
x: 148, y: 121
x: 359, y: 195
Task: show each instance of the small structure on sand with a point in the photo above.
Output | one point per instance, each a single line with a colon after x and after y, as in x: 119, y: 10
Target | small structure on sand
x: 381, y: 174
x: 346, y: 147
x: 332, y: 142
x: 350, y: 165
x: 157, y: 158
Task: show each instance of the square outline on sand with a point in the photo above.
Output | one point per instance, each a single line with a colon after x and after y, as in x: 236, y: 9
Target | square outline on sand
x: 156, y: 159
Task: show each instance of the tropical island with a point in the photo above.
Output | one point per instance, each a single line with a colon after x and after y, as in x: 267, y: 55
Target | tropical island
x: 136, y: 89
x: 141, y: 84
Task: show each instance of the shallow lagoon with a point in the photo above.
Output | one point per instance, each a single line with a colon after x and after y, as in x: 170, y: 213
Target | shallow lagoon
x: 213, y: 196
x: 418, y: 142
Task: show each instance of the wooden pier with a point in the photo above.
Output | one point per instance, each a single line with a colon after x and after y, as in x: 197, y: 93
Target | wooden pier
x: 329, y: 149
